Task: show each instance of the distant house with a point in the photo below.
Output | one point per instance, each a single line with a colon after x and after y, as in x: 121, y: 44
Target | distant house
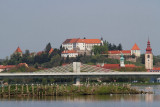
x: 70, y: 53
x: 81, y: 44
x: 18, y: 51
x: 6, y: 67
x: 42, y: 52
x: 51, y: 50
x: 115, y: 54
x: 118, y: 66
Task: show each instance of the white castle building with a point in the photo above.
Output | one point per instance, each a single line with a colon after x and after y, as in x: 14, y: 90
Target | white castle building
x: 81, y: 44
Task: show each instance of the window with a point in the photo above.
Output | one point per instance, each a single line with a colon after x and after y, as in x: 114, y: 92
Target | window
x: 148, y: 56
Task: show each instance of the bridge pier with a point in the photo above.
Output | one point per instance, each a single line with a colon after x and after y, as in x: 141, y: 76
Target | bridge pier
x: 77, y: 81
x: 158, y: 80
x: 77, y: 69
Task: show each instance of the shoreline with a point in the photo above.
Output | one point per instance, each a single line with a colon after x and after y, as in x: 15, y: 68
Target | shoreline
x: 67, y: 90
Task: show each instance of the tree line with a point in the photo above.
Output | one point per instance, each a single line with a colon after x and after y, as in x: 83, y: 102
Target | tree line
x: 47, y: 60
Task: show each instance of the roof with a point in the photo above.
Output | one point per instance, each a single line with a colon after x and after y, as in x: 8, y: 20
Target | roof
x: 148, y: 49
x: 51, y: 50
x: 69, y: 51
x: 74, y: 40
x: 111, y: 66
x: 78, y: 40
x: 18, y: 50
x: 156, y: 68
x: 130, y: 66
x: 120, y: 52
x: 7, y: 66
x: 135, y: 47
x: 90, y: 41
x: 40, y: 52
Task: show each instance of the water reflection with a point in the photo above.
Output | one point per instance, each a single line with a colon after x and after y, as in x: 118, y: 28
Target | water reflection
x: 115, y: 98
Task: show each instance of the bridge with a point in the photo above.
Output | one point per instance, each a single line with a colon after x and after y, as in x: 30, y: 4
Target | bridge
x: 77, y: 71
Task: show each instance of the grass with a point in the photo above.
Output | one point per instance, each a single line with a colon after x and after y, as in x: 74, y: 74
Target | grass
x: 66, y: 90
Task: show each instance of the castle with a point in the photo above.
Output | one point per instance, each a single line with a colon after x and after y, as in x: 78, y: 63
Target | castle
x: 76, y: 46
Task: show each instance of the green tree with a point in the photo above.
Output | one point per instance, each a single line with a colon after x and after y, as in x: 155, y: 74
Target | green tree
x: 48, y: 48
x: 36, y: 65
x: 55, y: 60
x: 119, y: 47
x: 142, y: 58
x: 27, y: 53
x: 101, y: 49
x: 67, y: 59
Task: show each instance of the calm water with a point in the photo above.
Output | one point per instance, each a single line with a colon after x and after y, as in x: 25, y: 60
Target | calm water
x: 148, y: 100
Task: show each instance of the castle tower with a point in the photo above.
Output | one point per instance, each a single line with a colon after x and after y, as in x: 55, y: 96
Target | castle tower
x: 148, y: 57
x: 122, y: 61
x: 18, y: 51
x: 136, y: 50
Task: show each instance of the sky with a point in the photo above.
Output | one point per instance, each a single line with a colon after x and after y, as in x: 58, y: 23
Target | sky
x: 32, y: 24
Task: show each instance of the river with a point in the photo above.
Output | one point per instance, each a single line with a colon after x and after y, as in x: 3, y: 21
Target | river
x: 147, y: 100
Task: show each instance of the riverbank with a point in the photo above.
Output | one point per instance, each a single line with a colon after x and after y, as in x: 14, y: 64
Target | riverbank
x: 67, y: 90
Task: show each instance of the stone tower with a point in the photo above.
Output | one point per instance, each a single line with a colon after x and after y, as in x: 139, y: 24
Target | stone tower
x: 148, y: 57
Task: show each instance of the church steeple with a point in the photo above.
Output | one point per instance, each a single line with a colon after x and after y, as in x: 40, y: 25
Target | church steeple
x: 148, y: 49
x: 148, y: 56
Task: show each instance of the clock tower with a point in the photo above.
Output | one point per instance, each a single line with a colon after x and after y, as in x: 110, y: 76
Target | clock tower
x: 148, y: 57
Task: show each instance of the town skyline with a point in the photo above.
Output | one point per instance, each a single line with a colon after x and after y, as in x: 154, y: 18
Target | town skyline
x: 35, y: 25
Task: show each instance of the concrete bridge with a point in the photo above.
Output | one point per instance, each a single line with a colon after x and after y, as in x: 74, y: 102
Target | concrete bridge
x: 77, y: 71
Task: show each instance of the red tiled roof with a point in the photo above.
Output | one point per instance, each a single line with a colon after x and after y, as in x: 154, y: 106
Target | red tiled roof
x: 130, y: 66
x: 18, y: 50
x: 69, y: 51
x: 119, y: 52
x: 40, y: 52
x: 7, y: 66
x: 51, y: 50
x: 117, y: 66
x: 74, y: 40
x: 87, y: 41
x: 111, y: 66
x: 135, y: 47
x: 156, y: 68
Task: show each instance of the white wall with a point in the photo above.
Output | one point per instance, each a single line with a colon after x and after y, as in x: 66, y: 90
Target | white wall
x: 137, y: 53
x: 69, y: 54
x: 79, y: 46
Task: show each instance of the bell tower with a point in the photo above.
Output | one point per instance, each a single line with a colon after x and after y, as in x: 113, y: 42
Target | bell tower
x: 148, y: 57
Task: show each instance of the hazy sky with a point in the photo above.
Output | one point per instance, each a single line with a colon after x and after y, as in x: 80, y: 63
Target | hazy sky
x: 31, y: 24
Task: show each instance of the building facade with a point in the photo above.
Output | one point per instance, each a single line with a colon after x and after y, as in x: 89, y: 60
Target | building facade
x: 115, y: 54
x: 69, y: 53
x: 81, y: 44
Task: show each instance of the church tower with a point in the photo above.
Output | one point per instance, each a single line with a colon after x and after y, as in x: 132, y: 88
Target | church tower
x: 148, y: 57
x: 122, y: 61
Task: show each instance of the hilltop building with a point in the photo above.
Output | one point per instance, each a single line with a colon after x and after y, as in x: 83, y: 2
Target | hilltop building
x: 70, y: 53
x: 118, y: 66
x: 18, y: 51
x: 116, y: 54
x: 148, y: 57
x: 51, y: 50
x: 81, y: 46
